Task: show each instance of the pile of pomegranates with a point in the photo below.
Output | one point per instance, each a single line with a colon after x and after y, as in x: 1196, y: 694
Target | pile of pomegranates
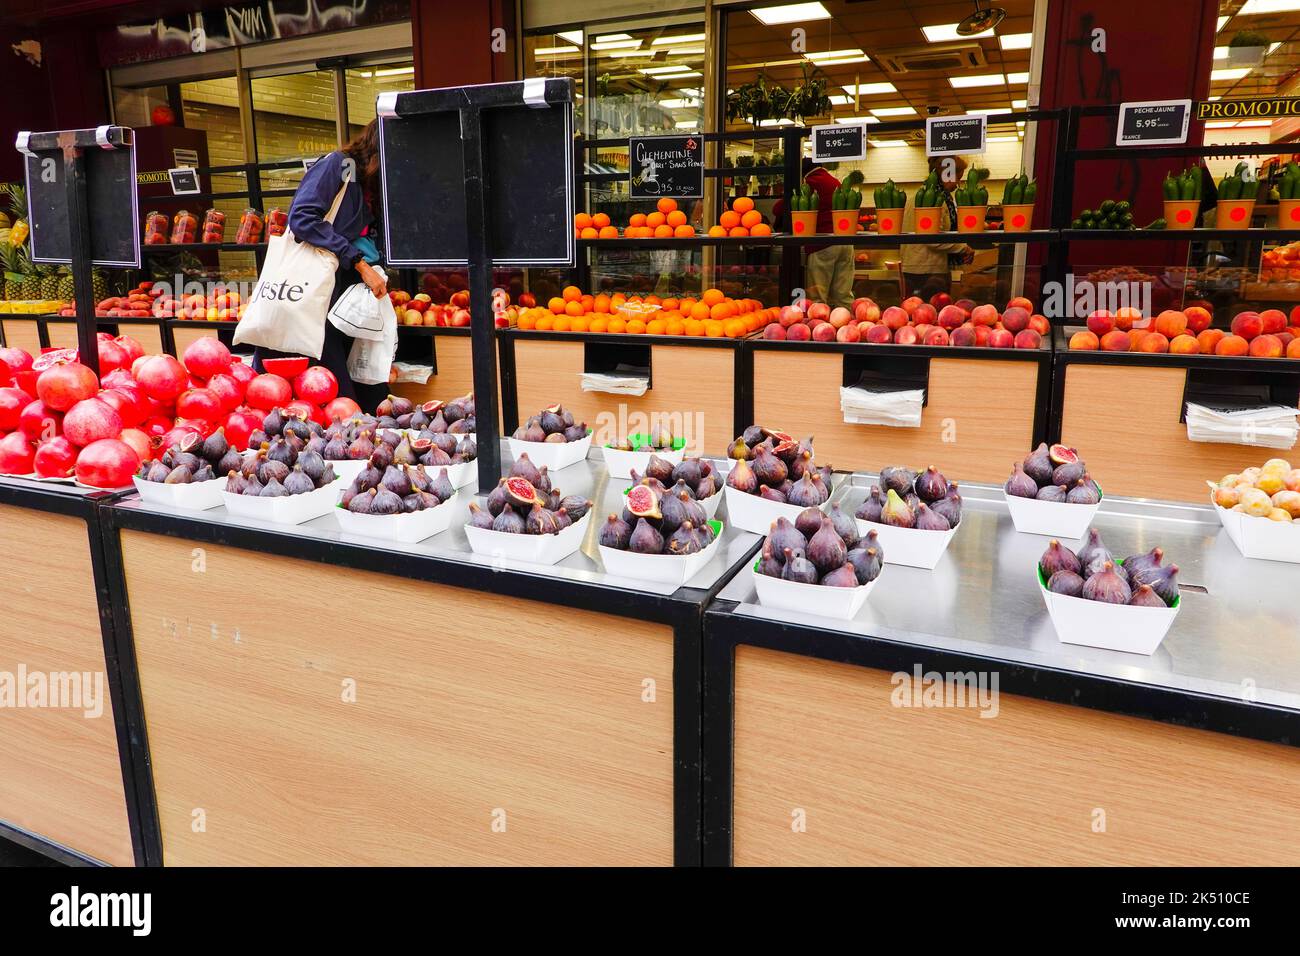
x: 57, y: 420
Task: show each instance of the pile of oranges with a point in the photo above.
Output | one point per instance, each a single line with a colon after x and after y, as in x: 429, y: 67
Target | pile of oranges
x: 713, y: 314
x: 742, y: 219
x: 666, y: 222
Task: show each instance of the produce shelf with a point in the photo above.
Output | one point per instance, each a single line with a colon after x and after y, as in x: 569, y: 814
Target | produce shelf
x: 870, y: 239
x: 169, y: 248
x: 1180, y: 235
x: 805, y: 711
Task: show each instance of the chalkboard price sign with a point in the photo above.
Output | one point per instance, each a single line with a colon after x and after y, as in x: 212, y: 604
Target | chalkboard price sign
x: 1158, y: 123
x: 841, y: 141
x: 666, y: 166
x: 955, y: 135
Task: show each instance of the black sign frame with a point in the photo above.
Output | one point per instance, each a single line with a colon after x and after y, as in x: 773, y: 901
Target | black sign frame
x: 835, y: 154
x: 691, y: 178
x: 184, y: 181
x: 1174, y: 116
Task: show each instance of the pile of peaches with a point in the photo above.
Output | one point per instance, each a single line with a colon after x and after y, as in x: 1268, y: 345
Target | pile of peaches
x: 913, y: 322
x: 1267, y: 334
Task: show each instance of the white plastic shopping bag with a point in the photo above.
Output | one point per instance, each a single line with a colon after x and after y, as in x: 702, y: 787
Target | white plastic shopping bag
x: 370, y: 361
x: 287, y: 308
x: 358, y: 314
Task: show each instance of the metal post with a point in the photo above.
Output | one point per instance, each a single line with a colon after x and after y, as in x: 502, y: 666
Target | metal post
x: 74, y: 171
x: 482, y: 322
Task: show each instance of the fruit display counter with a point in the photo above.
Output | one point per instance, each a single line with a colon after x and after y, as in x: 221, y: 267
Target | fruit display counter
x: 948, y: 706
x: 447, y: 350
x: 65, y: 786
x: 1149, y: 455
x: 690, y: 379
x: 22, y: 332
x: 429, y: 703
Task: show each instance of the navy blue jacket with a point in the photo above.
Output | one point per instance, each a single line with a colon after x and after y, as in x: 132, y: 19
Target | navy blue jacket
x: 312, y: 201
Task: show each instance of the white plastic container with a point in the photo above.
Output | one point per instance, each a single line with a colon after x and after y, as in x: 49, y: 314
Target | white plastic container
x: 752, y: 513
x: 842, y: 603
x: 621, y: 464
x: 1261, y: 538
x: 662, y: 568
x: 407, y: 528
x: 195, y: 496
x: 349, y: 469
x: 1115, y: 627
x: 1053, y: 519
x: 292, y: 509
x: 533, y: 548
x: 554, y: 455
x: 909, y: 546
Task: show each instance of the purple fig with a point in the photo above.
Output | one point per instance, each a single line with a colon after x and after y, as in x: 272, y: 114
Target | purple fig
x: 523, y: 467
x: 871, y: 507
x: 1038, y: 465
x: 771, y: 494
x: 845, y: 526
x: 798, y: 568
x: 363, y: 504
x: 684, y: 540
x: 659, y: 468
x: 931, y: 485
x: 1020, y: 485
x: 1058, y: 557
x: 497, y: 498
x: 897, y: 478
x: 872, y: 540
x: 646, y: 539
x: 614, y: 533
x: 1053, y: 493
x: 1145, y: 596
x: 1107, y: 586
x: 785, y: 536
x: 768, y: 468
x: 866, y: 563
x: 1163, y: 580
x: 826, y: 548
x: 741, y: 477
x: 809, y: 521
x: 896, y: 513
x: 509, y: 521
x: 1068, y: 473
x: 1093, y: 552
x: 1135, y: 564
x: 478, y: 517
x: 842, y: 577
x: 1084, y: 492
x: 805, y: 493
x: 927, y: 519
x: 768, y: 563
x: 1066, y: 582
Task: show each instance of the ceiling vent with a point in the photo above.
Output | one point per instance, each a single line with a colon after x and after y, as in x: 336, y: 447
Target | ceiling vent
x: 950, y: 58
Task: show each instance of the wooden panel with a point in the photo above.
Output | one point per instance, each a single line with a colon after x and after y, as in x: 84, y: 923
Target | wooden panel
x: 150, y: 336
x: 62, y: 335
x: 695, y: 382
x: 23, y: 334
x: 186, y: 335
x: 1144, y: 455
x: 60, y: 776
x: 889, y: 785
x: 455, y: 372
x: 467, y: 704
x: 978, y: 420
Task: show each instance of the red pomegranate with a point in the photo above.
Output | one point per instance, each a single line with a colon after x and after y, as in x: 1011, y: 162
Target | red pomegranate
x: 138, y: 441
x: 62, y: 386
x: 111, y: 356
x: 243, y: 374
x: 341, y: 408
x: 199, y: 403
x: 16, y: 454
x: 316, y: 385
x: 306, y: 410
x: 174, y: 435
x: 162, y: 377
x: 228, y: 391
x: 201, y: 426
x: 39, y: 422
x: 130, y: 407
x: 156, y: 426
x: 16, y: 359
x: 52, y: 357
x: 119, y: 376
x: 241, y: 423
x: 107, y: 463
x: 268, y: 391
x: 131, y: 347
x: 91, y: 420
x: 12, y: 403
x: 206, y: 357
x: 55, y: 458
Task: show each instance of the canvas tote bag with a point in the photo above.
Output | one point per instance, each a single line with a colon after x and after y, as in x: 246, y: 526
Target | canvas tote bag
x: 286, y: 310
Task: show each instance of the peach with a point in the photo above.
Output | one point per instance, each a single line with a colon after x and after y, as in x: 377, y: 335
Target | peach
x: 1135, y: 339
x: 860, y: 300
x: 906, y: 336
x: 802, y: 305
x: 1285, y: 337
x: 951, y: 316
x: 1293, y: 349
x: 1232, y: 345
x: 823, y: 332
x: 982, y: 333
x: 840, y: 317
x: 923, y: 330
x: 937, y: 337
x: 1273, y: 321
x: 924, y: 314
x: 774, y: 330
x: 819, y: 312
x: 1247, y: 325
x: 864, y: 310
x: 848, y: 333
x: 966, y: 305
x: 1128, y: 317
x: 911, y: 303
x: 1198, y: 319
x: 1085, y: 341
x: 791, y: 315
x: 1040, y: 324
x: 799, y: 332
x: 1015, y: 319
x: 893, y: 318
x: 963, y: 335
x: 1208, y: 339
x: 879, y: 334
x: 1001, y: 339
x: 1100, y: 322
x: 1115, y: 341
x: 1266, y: 346
x: 1184, y: 345
x: 1295, y: 317
x: 940, y: 299
x: 1171, y: 324
x: 1028, y: 339
x: 984, y: 315
x: 1153, y: 342
x: 1020, y: 302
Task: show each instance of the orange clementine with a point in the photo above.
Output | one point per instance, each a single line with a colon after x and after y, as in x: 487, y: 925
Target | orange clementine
x: 600, y: 303
x: 581, y: 221
x: 729, y: 219
x: 751, y: 219
x: 573, y: 308
x: 663, y: 231
x: 579, y: 323
x: 562, y: 323
x: 712, y: 296
x: 671, y: 305
x: 587, y: 301
x: 734, y: 328
x: 638, y: 220
x: 608, y: 232
x: 666, y: 205
x: 678, y: 327
x: 656, y: 326
x: 556, y: 304
x: 616, y: 324
x: 738, y: 231
x: 589, y: 233
x: 571, y: 293
x: 760, y: 229
x: 617, y: 301
x: 527, y: 320
x: 686, y: 303
x: 600, y: 220
x: 546, y: 323
x: 676, y: 218
x: 743, y: 204
x: 635, y: 327
x: 598, y: 324
x: 684, y: 231
x: 717, y: 230
x: 714, y: 329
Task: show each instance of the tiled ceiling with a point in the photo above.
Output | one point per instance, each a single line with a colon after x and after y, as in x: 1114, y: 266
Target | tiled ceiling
x: 1281, y: 58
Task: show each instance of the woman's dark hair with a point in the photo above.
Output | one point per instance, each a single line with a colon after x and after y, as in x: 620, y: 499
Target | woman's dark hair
x: 363, y: 150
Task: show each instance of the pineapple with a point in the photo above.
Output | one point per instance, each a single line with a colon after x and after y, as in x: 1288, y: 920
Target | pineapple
x: 16, y: 196
x: 12, y: 283
x: 30, y: 286
x: 49, y: 278
x: 67, y: 289
x: 99, y: 283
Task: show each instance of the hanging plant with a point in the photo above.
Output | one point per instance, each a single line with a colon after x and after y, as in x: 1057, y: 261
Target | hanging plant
x: 809, y: 98
x: 756, y: 101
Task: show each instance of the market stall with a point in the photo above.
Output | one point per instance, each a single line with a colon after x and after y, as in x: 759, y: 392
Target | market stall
x: 66, y: 784
x: 950, y: 707
x: 429, y: 704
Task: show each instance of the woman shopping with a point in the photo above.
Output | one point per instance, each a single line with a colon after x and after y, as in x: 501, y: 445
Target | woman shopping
x: 349, y: 180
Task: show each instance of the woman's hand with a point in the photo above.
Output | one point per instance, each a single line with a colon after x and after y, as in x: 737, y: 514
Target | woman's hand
x: 373, y: 280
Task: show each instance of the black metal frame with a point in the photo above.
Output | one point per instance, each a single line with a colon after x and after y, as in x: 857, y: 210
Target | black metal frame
x: 724, y: 631
x: 119, y: 669
x: 682, y: 610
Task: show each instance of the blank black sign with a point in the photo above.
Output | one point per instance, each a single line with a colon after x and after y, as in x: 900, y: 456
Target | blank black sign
x: 670, y: 166
x: 528, y: 159
x: 833, y: 143
x: 110, y: 195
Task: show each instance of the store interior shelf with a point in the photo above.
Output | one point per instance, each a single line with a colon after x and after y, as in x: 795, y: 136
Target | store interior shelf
x: 163, y: 249
x: 1179, y: 235
x: 433, y: 330
x: 858, y: 239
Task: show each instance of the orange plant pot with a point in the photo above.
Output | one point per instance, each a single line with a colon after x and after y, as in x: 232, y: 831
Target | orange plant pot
x: 971, y: 218
x: 803, y: 222
x: 844, y: 222
x: 928, y: 220
x: 1233, y: 213
x: 1018, y: 217
x: 889, y: 222
x: 1181, y: 213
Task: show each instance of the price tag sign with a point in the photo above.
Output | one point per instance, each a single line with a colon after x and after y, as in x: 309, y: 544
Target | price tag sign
x: 839, y: 142
x: 1157, y: 123
x: 184, y: 179
x: 666, y: 166
x: 955, y: 135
